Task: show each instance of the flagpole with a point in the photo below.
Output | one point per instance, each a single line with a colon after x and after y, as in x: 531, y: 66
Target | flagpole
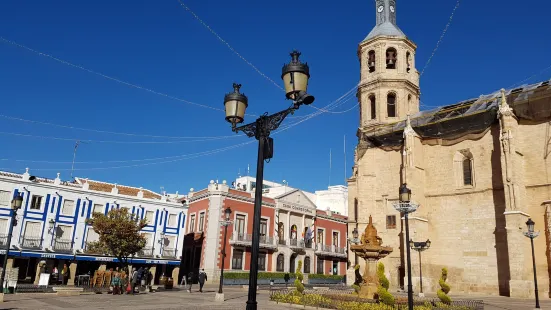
x: 344, y: 160
x: 329, y: 167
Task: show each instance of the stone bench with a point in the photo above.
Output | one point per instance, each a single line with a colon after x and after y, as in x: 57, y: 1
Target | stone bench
x: 68, y: 291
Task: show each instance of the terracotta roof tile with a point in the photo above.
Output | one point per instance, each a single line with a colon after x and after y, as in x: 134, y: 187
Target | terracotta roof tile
x: 123, y: 190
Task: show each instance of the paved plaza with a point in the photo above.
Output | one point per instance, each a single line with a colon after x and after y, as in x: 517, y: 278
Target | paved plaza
x: 180, y: 299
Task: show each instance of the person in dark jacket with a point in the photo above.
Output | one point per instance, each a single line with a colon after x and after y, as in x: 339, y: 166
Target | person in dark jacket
x: 202, y: 279
x: 190, y: 280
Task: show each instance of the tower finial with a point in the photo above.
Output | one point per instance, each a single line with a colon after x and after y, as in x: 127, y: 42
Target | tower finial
x: 236, y: 88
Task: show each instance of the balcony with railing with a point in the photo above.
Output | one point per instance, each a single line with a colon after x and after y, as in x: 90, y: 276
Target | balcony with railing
x: 31, y: 242
x: 3, y: 241
x: 330, y: 250
x: 297, y: 244
x: 169, y: 252
x: 91, y: 249
x: 63, y: 245
x: 266, y: 242
x: 146, y: 252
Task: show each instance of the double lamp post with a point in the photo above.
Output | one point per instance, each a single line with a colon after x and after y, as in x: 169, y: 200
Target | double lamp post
x: 295, y: 77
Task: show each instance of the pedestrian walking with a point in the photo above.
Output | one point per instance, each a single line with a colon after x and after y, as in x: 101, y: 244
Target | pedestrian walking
x: 134, y: 280
x: 64, y: 274
x: 202, y: 279
x: 116, y: 283
x: 190, y: 280
x: 141, y: 278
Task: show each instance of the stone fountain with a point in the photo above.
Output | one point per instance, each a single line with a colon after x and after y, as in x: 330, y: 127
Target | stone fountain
x: 370, y: 248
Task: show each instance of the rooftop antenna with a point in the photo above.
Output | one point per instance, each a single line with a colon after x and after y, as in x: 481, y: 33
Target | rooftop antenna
x: 162, y: 190
x: 248, y: 169
x: 239, y: 173
x: 74, y: 156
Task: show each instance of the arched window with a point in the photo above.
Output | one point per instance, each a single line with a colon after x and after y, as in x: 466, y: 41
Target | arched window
x: 292, y: 263
x: 371, y: 61
x: 391, y: 58
x: 373, y: 107
x: 281, y: 233
x: 280, y: 267
x: 391, y: 105
x: 307, y: 264
x: 467, y: 172
x: 294, y: 232
x: 408, y: 61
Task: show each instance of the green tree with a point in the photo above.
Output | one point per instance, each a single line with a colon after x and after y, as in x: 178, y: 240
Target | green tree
x: 444, y: 288
x: 384, y: 295
x: 300, y: 277
x: 119, y: 234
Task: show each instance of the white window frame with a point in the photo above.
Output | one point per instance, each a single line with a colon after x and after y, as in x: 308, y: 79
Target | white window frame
x: 63, y: 207
x: 194, y: 217
x: 245, y: 229
x: 98, y: 205
x: 201, y: 225
x: 8, y: 201
x: 40, y: 206
x: 150, y: 220
x: 175, y: 217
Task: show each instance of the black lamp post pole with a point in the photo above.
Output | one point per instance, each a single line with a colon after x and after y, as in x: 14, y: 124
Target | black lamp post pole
x: 8, y: 245
x: 535, y: 276
x: 223, y: 259
x: 420, y: 272
x: 410, y: 287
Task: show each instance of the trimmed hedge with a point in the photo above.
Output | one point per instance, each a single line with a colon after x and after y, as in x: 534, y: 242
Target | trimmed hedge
x: 325, y: 276
x: 261, y: 275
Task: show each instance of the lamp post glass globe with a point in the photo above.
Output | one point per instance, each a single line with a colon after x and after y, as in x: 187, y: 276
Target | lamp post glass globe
x: 17, y: 202
x: 405, y: 193
x: 295, y: 77
x: 355, y: 233
x: 227, y: 213
x: 427, y: 244
x: 411, y: 244
x: 235, y: 104
x: 51, y: 224
x: 530, y: 225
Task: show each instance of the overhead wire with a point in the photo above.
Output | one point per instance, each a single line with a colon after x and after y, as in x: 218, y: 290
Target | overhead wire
x: 441, y: 37
x: 187, y: 8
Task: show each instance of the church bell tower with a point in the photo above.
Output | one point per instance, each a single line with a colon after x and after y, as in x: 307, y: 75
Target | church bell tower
x: 389, y: 86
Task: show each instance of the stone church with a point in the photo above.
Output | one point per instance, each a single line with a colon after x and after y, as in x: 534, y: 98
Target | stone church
x: 478, y: 170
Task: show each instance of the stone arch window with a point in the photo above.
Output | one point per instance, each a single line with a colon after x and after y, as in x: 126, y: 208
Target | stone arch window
x: 280, y: 266
x: 372, y: 106
x: 307, y: 264
x: 391, y: 105
x: 391, y: 58
x: 371, y: 61
x: 408, y: 61
x: 464, y: 168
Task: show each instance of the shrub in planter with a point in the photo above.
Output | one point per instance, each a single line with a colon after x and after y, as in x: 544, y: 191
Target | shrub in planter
x: 444, y: 288
x: 326, y: 276
x: 298, y: 280
x: 384, y: 296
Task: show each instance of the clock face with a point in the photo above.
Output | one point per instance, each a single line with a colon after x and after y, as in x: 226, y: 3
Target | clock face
x: 392, y: 9
x: 380, y: 9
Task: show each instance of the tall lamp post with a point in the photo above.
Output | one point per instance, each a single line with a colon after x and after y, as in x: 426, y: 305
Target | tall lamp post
x: 15, y: 205
x: 225, y: 223
x: 420, y: 247
x: 533, y: 234
x: 295, y: 77
x: 406, y: 207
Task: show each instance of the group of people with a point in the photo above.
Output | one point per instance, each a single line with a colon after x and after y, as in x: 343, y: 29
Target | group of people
x: 202, y: 277
x: 138, y: 278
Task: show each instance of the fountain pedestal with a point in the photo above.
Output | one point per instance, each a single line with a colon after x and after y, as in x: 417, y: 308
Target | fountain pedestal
x: 371, y: 250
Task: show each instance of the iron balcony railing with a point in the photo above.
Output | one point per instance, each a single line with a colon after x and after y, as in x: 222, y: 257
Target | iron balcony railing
x: 31, y: 242
x: 330, y: 250
x: 61, y: 245
x: 282, y: 242
x: 169, y: 252
x: 246, y: 239
x: 3, y: 240
x: 308, y: 244
x: 146, y: 252
x: 296, y: 243
x: 90, y: 250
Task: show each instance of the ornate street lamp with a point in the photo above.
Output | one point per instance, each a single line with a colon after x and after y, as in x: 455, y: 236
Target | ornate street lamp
x: 16, y: 203
x: 420, y: 247
x: 533, y: 234
x: 225, y: 223
x: 355, y: 235
x: 405, y: 206
x: 295, y: 76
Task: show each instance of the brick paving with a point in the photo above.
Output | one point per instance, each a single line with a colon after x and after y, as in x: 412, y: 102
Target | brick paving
x: 180, y: 299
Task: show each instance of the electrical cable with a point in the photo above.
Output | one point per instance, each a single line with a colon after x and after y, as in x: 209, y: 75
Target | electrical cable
x: 441, y: 37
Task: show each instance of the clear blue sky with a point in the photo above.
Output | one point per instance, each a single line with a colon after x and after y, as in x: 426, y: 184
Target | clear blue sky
x: 161, y: 46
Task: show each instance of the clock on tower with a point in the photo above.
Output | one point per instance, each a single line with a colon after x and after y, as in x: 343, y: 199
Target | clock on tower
x: 380, y: 11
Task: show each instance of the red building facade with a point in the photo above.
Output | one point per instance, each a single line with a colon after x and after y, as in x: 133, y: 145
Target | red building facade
x: 291, y: 230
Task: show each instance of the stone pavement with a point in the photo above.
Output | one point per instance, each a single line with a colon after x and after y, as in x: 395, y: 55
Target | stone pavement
x: 181, y: 299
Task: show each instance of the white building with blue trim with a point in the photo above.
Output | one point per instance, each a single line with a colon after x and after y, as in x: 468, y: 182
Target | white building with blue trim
x: 51, y: 225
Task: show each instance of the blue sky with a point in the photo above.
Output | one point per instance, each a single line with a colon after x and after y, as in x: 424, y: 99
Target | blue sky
x: 160, y: 46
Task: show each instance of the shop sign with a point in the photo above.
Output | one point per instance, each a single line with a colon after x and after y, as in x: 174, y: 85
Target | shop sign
x: 46, y: 255
x: 2, y: 252
x: 162, y: 262
x: 104, y: 259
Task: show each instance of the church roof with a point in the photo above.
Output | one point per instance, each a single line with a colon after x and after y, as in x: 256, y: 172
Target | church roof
x: 470, y: 117
x: 385, y: 29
